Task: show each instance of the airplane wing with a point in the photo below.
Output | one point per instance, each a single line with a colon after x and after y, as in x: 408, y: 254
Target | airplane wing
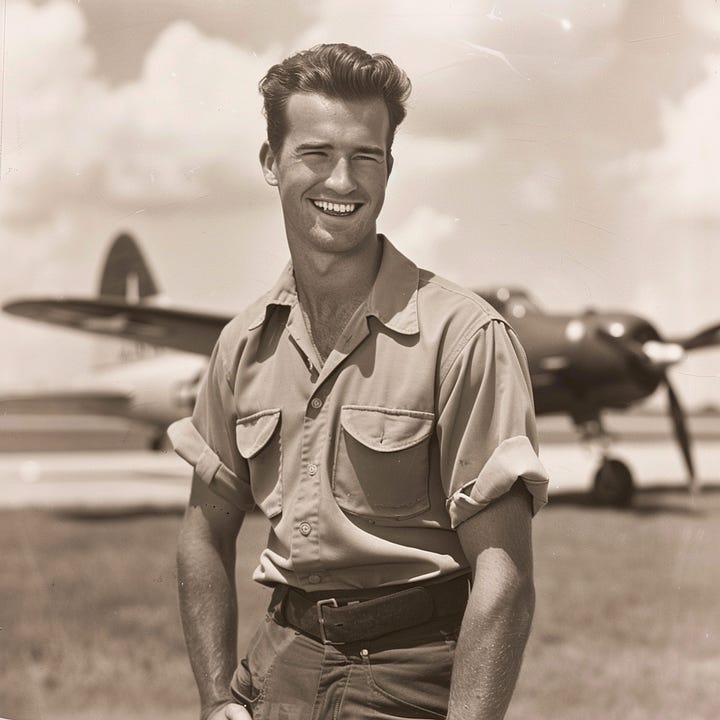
x: 66, y: 402
x: 184, y: 330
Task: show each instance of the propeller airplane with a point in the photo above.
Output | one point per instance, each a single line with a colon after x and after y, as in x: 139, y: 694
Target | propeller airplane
x: 580, y: 365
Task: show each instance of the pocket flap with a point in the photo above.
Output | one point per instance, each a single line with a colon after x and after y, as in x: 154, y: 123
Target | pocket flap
x: 386, y: 429
x: 253, y: 432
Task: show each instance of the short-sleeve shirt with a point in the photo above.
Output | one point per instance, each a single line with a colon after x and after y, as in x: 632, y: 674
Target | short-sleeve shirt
x: 365, y: 464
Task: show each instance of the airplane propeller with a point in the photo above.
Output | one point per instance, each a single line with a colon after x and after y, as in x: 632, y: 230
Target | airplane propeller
x: 657, y: 356
x: 682, y: 436
x: 707, y: 337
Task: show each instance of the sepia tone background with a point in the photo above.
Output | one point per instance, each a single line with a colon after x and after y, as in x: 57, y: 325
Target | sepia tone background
x: 562, y: 146
x: 566, y: 146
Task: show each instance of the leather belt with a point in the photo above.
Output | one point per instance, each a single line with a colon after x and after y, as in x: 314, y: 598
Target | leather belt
x: 350, y: 617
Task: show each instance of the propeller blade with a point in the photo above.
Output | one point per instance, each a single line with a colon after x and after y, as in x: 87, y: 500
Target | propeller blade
x: 708, y: 337
x: 681, y: 433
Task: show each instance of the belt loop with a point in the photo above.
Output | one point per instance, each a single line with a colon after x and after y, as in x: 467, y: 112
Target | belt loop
x: 283, y: 591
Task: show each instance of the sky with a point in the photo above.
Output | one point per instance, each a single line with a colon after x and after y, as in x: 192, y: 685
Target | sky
x: 565, y: 146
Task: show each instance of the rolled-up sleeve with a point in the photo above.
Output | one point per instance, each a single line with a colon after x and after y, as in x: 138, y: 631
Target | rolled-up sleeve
x: 486, y: 424
x: 207, y: 439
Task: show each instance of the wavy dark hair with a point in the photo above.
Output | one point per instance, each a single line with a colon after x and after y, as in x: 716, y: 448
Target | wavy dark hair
x: 337, y: 71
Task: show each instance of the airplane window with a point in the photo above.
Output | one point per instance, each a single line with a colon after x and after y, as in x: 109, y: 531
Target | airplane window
x: 519, y: 310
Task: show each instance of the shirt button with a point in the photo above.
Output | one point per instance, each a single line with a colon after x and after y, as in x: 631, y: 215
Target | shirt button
x: 305, y: 528
x: 314, y: 579
x: 312, y: 469
x: 316, y: 402
x: 364, y: 652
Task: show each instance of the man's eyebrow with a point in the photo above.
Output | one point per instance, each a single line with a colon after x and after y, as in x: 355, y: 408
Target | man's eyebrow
x: 371, y: 150
x: 363, y: 149
x: 312, y: 146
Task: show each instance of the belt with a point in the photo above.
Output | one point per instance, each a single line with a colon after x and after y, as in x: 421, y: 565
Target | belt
x: 350, y: 618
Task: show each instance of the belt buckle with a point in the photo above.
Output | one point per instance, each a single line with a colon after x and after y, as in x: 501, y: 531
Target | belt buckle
x: 332, y: 602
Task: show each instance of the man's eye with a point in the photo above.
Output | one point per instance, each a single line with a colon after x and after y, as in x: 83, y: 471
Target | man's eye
x: 314, y: 153
x: 372, y: 158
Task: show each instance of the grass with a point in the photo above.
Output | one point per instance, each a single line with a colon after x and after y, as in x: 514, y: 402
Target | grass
x: 627, y: 622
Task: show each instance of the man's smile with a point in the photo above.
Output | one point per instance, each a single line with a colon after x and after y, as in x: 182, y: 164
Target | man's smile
x: 336, y: 209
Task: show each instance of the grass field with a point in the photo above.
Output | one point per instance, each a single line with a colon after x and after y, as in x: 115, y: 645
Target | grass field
x: 627, y: 624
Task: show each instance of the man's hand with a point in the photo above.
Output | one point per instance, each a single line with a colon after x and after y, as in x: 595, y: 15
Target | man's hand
x: 231, y: 711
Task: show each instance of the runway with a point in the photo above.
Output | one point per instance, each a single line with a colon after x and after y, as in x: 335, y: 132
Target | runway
x: 95, y: 482
x: 120, y: 481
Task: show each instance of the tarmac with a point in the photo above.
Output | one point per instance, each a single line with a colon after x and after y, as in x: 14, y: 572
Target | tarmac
x: 130, y: 481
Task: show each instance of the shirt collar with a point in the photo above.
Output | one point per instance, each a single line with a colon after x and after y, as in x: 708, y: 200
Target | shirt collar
x: 392, y: 299
x: 283, y: 292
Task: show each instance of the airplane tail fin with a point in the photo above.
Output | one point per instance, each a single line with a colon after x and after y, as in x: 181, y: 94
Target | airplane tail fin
x: 126, y: 274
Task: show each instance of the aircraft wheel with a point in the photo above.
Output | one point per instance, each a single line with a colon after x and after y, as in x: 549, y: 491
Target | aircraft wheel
x: 613, y: 484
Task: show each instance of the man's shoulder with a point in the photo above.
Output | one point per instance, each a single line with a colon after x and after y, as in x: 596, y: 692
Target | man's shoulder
x: 234, y: 335
x: 444, y: 301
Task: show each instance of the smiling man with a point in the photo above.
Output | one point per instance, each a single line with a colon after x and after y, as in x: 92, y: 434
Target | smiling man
x: 381, y: 418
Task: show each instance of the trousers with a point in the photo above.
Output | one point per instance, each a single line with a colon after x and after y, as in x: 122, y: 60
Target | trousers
x: 287, y: 675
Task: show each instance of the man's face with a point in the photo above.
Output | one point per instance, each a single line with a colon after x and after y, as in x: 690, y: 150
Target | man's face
x: 331, y: 172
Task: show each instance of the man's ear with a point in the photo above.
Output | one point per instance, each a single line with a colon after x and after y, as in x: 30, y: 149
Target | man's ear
x: 267, y: 162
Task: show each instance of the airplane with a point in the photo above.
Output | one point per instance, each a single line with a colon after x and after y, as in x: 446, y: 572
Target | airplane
x: 580, y: 365
x: 144, y: 383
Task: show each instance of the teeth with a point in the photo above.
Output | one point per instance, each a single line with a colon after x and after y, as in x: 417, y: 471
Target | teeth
x: 336, y: 208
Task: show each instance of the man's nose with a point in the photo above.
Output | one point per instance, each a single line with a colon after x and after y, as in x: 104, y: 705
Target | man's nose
x: 341, y: 178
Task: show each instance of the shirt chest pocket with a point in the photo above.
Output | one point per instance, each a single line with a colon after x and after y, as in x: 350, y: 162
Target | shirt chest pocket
x: 381, y: 463
x: 258, y: 440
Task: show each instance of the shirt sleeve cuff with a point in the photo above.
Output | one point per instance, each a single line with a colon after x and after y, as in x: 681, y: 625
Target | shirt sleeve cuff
x: 514, y: 458
x: 190, y: 445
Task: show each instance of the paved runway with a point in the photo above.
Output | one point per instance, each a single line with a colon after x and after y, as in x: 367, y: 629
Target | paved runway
x: 135, y: 481
x: 95, y: 482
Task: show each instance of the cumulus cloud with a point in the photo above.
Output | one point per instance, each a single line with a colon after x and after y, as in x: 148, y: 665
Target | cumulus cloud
x: 471, y: 62
x: 188, y: 128
x: 49, y: 97
x: 680, y: 178
x: 191, y: 126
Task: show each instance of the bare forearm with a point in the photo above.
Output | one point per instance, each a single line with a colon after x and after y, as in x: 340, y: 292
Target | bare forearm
x: 208, y: 609
x: 489, y: 654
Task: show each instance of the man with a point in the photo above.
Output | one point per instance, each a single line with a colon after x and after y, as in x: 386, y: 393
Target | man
x: 382, y: 419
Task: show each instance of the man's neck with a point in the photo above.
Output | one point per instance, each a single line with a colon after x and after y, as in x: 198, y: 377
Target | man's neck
x: 331, y: 286
x: 326, y: 280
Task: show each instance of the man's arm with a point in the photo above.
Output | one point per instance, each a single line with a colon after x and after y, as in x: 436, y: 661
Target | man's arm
x: 497, y: 542
x: 208, y: 605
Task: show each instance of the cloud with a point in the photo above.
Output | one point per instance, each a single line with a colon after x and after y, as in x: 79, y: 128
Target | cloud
x: 473, y: 62
x: 422, y: 233
x: 188, y: 128
x: 191, y: 126
x: 680, y: 178
x: 49, y: 98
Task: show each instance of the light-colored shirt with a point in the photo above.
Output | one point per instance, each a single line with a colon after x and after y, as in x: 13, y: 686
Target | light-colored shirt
x: 419, y: 418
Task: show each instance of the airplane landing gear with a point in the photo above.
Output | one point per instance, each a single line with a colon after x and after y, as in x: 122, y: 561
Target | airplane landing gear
x: 613, y: 484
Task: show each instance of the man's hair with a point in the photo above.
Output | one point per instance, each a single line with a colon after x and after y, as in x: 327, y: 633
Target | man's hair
x: 338, y: 71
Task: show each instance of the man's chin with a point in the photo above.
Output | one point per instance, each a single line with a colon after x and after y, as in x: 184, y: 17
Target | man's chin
x: 340, y: 241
